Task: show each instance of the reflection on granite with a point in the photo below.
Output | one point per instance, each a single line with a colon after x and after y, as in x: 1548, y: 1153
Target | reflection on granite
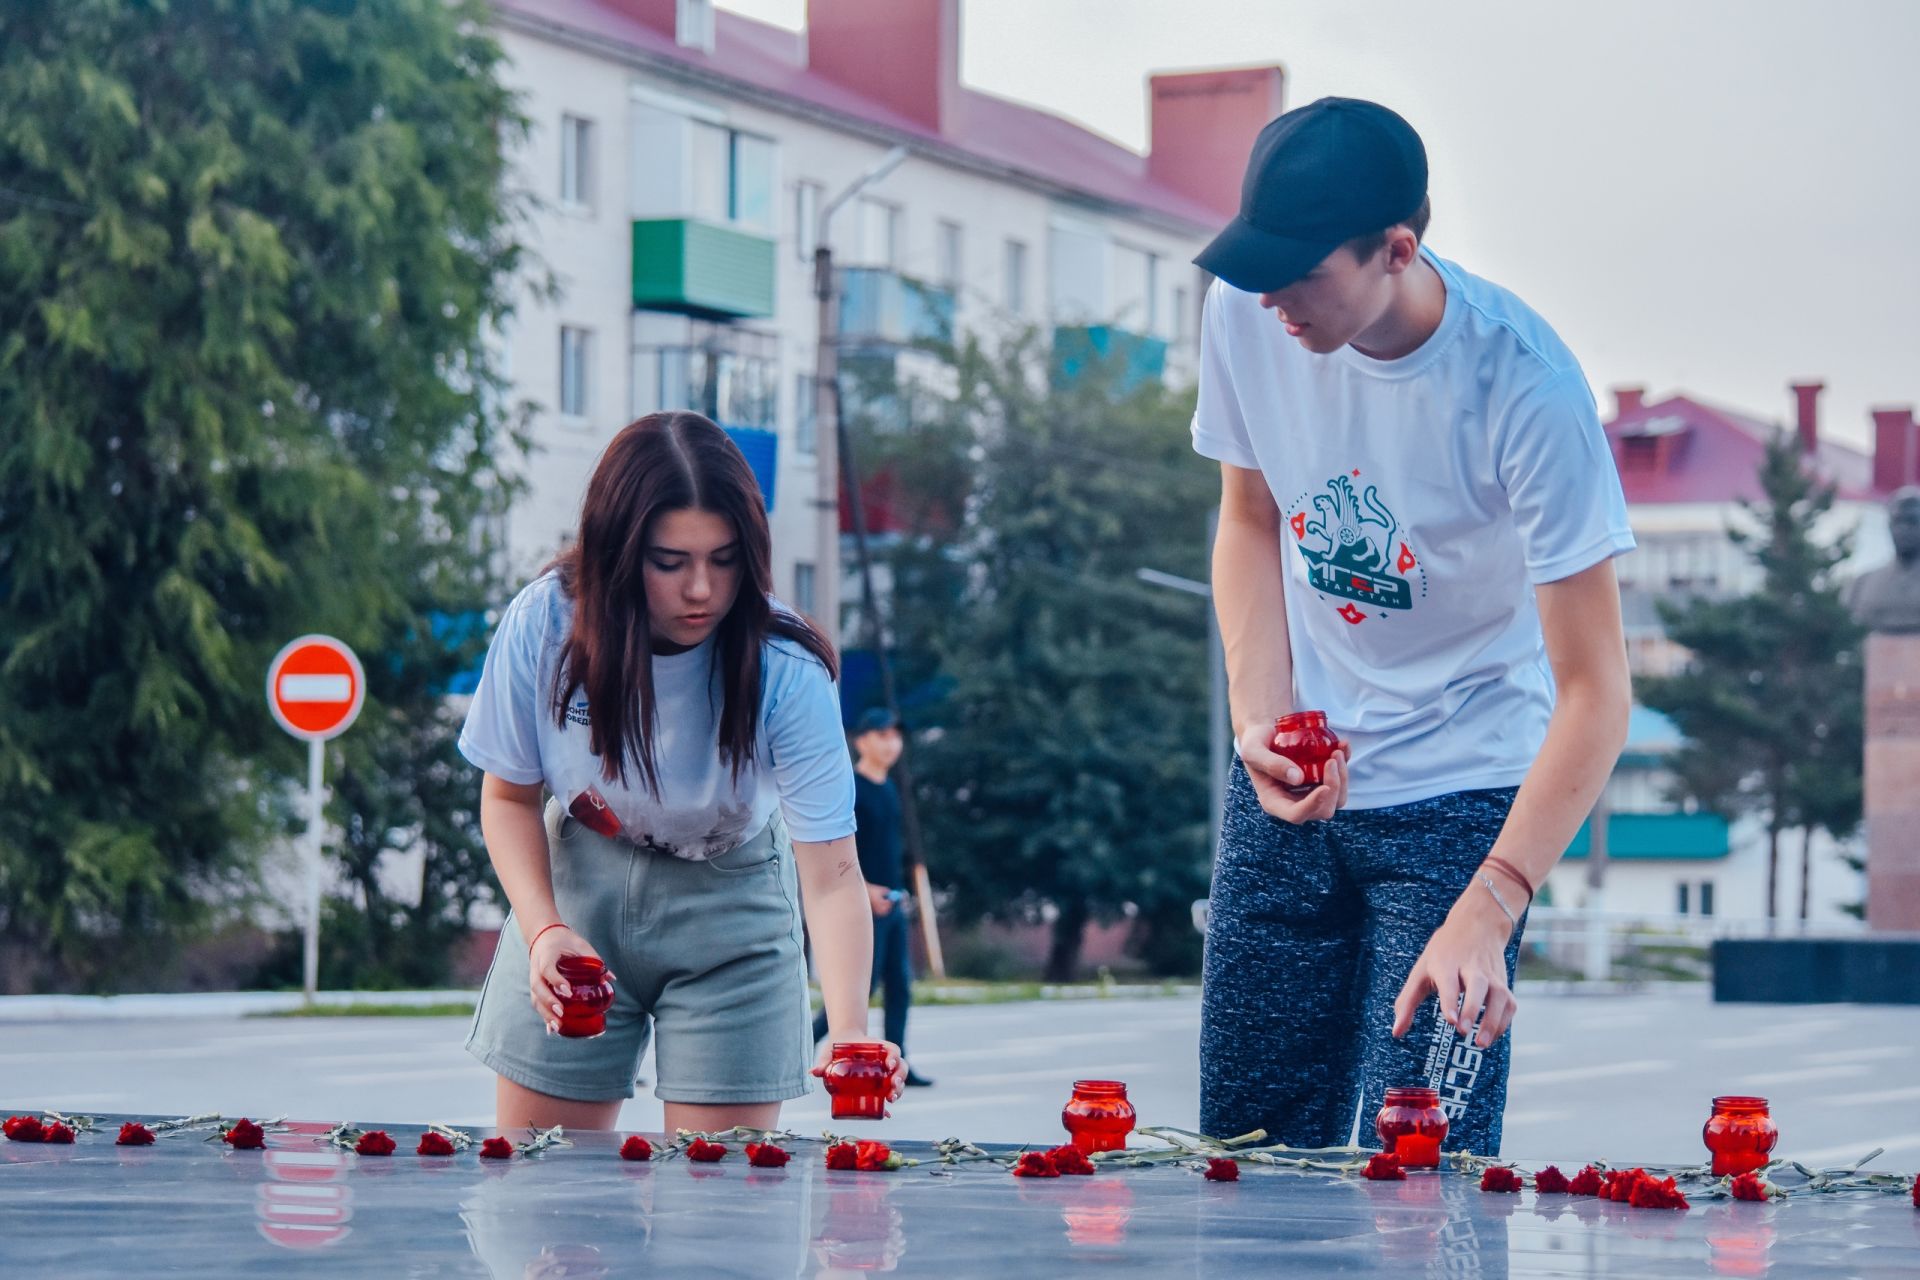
x: 189, y: 1207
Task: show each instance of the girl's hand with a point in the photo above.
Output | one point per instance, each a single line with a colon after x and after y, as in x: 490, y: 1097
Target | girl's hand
x: 546, y: 985
x: 896, y: 1065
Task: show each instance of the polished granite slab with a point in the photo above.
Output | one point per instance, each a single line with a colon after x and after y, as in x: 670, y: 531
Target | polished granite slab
x: 189, y: 1207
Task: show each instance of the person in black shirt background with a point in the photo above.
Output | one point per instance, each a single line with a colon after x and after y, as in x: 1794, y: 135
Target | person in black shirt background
x: 877, y: 744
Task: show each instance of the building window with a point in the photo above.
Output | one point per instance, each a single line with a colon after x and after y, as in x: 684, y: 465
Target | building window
x: 1181, y: 301
x: 1015, y: 289
x: 951, y: 260
x: 803, y: 596
x: 751, y: 201
x: 879, y: 232
x: 1681, y: 897
x: 1135, y: 283
x: 576, y: 162
x: 806, y: 418
x: 732, y: 176
x: 806, y: 218
x: 1706, y: 897
x: 576, y: 362
x: 729, y: 374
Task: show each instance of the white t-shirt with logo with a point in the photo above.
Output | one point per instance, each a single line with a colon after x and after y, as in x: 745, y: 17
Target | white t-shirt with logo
x: 800, y: 759
x: 1421, y: 501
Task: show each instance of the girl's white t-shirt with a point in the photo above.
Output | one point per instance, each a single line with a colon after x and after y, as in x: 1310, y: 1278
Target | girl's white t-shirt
x: 800, y: 761
x: 1421, y: 501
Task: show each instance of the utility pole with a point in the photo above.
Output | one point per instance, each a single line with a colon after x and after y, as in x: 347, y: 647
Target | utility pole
x: 826, y: 404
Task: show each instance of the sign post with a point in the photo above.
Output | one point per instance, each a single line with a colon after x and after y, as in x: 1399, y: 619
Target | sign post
x: 314, y: 688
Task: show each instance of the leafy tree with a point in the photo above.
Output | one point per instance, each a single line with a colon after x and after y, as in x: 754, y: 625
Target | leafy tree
x: 249, y: 251
x: 1771, y: 701
x: 1065, y: 773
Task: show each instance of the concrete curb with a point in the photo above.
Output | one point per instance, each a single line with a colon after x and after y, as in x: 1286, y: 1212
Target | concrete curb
x: 201, y: 1004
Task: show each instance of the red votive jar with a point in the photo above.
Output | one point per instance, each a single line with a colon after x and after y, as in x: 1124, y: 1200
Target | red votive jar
x: 1098, y: 1115
x: 858, y: 1081
x: 1740, y: 1134
x: 1412, y: 1126
x: 1303, y: 738
x: 583, y: 1014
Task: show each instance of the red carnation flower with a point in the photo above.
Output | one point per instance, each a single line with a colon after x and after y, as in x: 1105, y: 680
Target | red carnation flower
x: 841, y: 1155
x: 245, y: 1136
x: 24, y: 1129
x: 1587, y: 1183
x: 1220, y: 1169
x: 1749, y: 1186
x: 764, y: 1155
x: 1649, y: 1194
x: 1620, y: 1185
x: 636, y: 1148
x: 1551, y: 1181
x: 496, y: 1149
x: 1384, y: 1167
x: 704, y: 1152
x: 1499, y: 1178
x: 433, y: 1144
x: 134, y: 1135
x: 873, y: 1157
x: 57, y: 1132
x: 1070, y: 1160
x: 374, y: 1142
x: 1034, y: 1164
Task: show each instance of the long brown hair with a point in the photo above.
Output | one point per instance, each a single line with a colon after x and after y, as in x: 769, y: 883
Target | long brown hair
x: 665, y: 462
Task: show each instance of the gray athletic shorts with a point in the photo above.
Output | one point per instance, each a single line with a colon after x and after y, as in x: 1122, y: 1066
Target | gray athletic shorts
x: 709, y: 952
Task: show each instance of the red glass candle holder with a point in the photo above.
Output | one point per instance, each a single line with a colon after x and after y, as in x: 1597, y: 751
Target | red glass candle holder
x: 583, y: 1015
x: 1304, y: 738
x: 1740, y: 1134
x: 858, y: 1081
x: 1412, y: 1126
x: 1098, y: 1115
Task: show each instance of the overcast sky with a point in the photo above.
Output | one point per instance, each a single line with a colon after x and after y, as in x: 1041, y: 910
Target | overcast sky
x: 1716, y: 196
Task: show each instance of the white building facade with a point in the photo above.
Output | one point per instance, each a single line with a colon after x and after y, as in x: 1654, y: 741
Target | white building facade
x: 680, y: 159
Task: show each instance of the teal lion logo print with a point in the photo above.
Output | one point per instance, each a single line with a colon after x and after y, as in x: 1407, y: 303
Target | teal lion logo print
x: 1353, y: 549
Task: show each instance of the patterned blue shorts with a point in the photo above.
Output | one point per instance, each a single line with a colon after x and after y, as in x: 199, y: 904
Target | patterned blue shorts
x: 1311, y: 933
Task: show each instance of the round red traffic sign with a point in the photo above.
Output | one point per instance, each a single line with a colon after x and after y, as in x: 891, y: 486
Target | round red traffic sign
x: 315, y: 687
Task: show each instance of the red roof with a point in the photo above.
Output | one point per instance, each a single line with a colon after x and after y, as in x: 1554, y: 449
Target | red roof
x: 773, y: 60
x: 1681, y: 450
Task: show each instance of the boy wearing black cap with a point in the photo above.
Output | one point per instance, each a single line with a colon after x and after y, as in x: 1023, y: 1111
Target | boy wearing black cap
x: 877, y: 744
x: 1418, y: 517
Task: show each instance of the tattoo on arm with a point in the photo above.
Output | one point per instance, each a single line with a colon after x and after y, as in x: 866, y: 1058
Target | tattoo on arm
x: 846, y: 865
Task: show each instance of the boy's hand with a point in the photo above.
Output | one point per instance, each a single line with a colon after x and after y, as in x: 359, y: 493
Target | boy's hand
x: 1271, y: 775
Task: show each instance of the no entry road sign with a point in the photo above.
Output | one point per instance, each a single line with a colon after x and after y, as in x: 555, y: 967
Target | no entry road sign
x: 315, y: 687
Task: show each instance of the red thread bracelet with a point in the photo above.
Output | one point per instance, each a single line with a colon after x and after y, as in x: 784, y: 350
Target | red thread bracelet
x: 1501, y: 864
x: 557, y: 924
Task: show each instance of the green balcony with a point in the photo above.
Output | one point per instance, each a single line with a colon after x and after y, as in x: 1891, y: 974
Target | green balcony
x: 701, y: 269
x: 1641, y: 837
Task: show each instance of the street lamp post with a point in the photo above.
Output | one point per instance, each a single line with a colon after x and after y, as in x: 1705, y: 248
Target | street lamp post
x: 1219, y: 721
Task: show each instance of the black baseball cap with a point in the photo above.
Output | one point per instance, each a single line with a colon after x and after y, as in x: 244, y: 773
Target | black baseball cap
x: 874, y: 719
x: 1319, y: 176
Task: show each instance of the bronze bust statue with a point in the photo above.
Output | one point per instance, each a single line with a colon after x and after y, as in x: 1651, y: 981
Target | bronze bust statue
x: 1888, y: 598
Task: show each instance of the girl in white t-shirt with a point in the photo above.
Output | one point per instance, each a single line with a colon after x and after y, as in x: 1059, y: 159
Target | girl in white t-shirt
x: 687, y: 730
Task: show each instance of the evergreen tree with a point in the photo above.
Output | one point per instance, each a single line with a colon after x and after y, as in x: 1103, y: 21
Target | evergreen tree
x: 1771, y: 700
x: 249, y: 251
